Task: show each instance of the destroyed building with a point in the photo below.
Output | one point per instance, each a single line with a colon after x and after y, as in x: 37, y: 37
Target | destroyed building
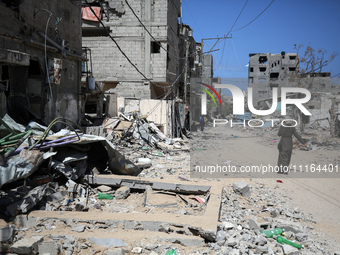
x: 40, y: 60
x: 267, y: 71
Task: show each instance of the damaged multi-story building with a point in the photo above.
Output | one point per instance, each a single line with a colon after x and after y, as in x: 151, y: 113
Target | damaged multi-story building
x: 40, y: 60
x: 141, y: 53
x: 268, y: 71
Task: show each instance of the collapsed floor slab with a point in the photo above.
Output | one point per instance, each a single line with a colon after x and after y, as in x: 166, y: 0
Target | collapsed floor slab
x: 204, y: 225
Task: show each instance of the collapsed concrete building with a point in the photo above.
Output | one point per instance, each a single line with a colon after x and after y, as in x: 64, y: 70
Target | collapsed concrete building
x: 267, y: 71
x: 40, y: 60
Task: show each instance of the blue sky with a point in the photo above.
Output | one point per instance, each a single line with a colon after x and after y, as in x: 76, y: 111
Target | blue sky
x: 283, y: 24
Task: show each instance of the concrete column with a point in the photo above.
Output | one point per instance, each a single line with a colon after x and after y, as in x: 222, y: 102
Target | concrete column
x: 147, y: 38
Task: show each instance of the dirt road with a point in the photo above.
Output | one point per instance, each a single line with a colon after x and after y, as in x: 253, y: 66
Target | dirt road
x: 316, y: 196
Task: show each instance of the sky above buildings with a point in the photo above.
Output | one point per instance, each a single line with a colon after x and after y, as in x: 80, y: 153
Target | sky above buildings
x: 280, y: 26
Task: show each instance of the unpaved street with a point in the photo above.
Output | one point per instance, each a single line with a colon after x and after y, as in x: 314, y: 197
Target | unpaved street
x: 315, y: 196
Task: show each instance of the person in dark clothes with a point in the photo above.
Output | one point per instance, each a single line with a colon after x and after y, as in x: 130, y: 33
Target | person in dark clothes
x: 202, y: 122
x: 187, y: 121
x: 285, y: 146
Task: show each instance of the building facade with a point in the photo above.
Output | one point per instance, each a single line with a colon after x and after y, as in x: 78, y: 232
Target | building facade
x: 267, y: 71
x: 28, y: 56
x: 146, y: 35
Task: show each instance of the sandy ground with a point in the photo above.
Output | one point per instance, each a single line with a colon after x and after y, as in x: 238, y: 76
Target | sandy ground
x: 316, y: 196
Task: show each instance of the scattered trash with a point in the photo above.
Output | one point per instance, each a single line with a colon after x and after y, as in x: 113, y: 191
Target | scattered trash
x: 104, y: 196
x: 171, y: 252
x: 281, y: 240
x: 199, y: 199
x: 272, y: 232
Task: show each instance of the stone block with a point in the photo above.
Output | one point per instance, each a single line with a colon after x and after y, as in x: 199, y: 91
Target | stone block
x: 241, y: 188
x: 48, y: 248
x: 27, y: 245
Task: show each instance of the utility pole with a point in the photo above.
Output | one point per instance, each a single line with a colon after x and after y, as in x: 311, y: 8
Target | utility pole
x: 212, y: 48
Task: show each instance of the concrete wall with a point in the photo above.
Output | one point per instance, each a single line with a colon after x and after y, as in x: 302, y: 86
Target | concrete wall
x: 159, y: 110
x: 109, y: 64
x: 19, y: 31
x: 268, y: 70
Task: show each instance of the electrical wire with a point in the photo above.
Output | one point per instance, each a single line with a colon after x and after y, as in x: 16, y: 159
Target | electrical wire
x: 255, y: 17
x: 193, y: 19
x: 168, y: 93
x: 119, y: 48
x: 55, y: 121
x: 238, y: 61
x: 244, y: 6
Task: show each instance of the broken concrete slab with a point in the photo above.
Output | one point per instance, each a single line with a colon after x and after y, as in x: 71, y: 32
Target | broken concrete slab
x: 6, y: 233
x: 122, y: 193
x: 187, y: 242
x: 48, y: 248
x: 104, y: 188
x: 31, y: 199
x: 117, y: 251
x: 289, y: 250
x: 242, y: 188
x: 27, y: 245
x: 108, y: 242
x: 133, y: 183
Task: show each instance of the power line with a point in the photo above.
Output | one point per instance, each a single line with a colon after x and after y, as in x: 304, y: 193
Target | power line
x: 160, y: 45
x: 237, y: 17
x: 231, y: 29
x: 144, y: 26
x: 193, y: 19
x: 255, y: 17
x: 127, y: 58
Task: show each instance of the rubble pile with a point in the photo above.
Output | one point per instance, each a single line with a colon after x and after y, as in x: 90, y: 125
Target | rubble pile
x: 246, y: 211
x: 60, y: 178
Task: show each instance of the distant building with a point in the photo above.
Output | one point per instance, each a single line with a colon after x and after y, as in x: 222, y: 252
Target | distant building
x: 267, y: 71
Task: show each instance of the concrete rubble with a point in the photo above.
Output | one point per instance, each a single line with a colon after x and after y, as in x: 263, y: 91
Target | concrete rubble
x: 51, y: 215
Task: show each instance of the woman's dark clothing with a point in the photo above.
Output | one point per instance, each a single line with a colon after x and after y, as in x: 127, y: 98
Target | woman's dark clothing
x: 285, y: 145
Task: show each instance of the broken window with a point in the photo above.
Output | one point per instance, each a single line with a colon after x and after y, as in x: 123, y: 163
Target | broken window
x: 95, y: 31
x: 292, y: 57
x: 292, y: 69
x: 251, y: 69
x: 263, y: 59
x: 274, y: 76
x: 155, y: 47
x: 263, y: 69
x: 251, y: 80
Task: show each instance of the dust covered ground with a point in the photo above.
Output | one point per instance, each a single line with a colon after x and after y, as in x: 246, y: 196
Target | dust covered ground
x: 305, y: 206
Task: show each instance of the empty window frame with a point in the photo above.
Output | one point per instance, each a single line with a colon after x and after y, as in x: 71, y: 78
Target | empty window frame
x: 155, y: 47
x: 292, y: 57
x: 292, y: 69
x: 263, y: 59
x: 262, y: 79
x: 274, y: 76
x: 263, y: 69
